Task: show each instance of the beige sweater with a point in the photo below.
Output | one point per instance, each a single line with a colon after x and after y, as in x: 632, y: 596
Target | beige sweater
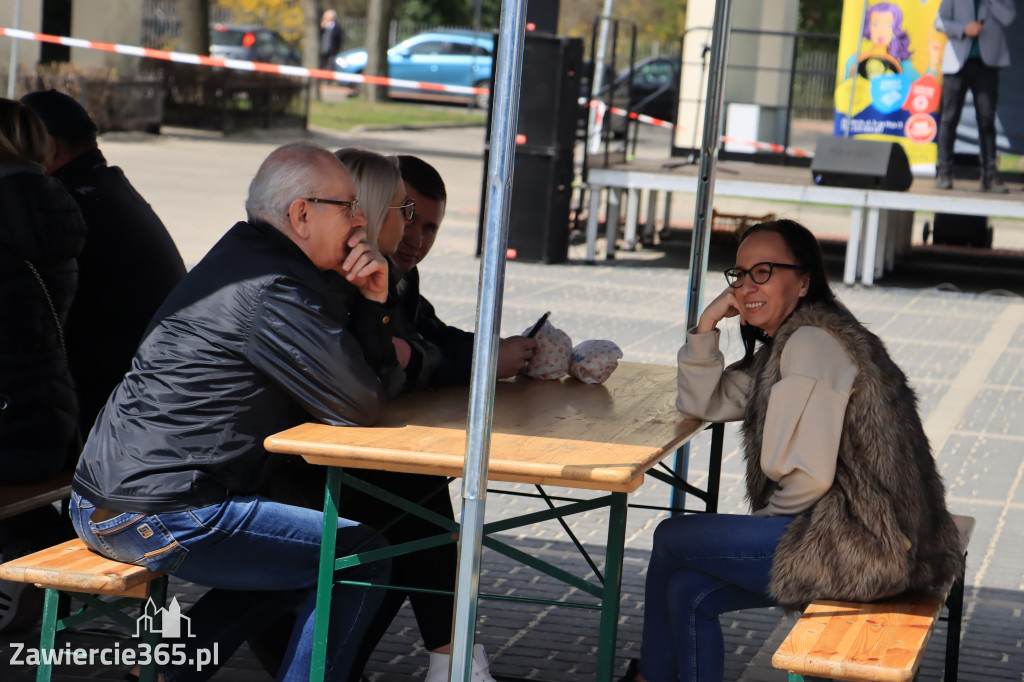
x: 805, y: 414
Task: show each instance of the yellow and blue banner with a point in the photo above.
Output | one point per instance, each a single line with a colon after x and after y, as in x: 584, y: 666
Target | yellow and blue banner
x: 890, y: 76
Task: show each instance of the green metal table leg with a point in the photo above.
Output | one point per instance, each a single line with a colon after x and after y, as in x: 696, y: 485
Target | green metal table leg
x: 158, y: 593
x: 612, y: 587
x: 325, y: 577
x: 48, y: 633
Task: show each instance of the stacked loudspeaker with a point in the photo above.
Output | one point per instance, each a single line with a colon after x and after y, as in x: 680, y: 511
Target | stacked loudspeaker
x: 545, y: 136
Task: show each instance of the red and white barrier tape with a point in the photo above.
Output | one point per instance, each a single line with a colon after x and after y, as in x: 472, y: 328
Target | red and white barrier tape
x: 324, y: 74
x: 238, y: 64
x: 650, y: 120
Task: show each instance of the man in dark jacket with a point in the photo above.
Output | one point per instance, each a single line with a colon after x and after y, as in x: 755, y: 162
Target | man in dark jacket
x: 285, y: 320
x: 332, y: 37
x: 425, y: 186
x: 129, y: 262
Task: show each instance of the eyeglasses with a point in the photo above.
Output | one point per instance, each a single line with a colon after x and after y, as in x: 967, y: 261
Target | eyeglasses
x: 759, y: 273
x: 408, y: 209
x: 350, y: 205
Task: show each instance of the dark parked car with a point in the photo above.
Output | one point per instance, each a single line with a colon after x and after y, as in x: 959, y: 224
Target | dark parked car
x: 251, y: 43
x: 653, y: 90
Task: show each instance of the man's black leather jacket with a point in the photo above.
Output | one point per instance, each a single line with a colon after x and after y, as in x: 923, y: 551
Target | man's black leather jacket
x: 254, y: 340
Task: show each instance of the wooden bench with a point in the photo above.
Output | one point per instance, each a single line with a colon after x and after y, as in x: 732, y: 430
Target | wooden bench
x: 16, y: 499
x: 727, y: 229
x: 71, y: 568
x: 880, y: 641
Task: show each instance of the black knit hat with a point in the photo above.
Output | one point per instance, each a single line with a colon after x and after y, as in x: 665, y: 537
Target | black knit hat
x: 61, y: 114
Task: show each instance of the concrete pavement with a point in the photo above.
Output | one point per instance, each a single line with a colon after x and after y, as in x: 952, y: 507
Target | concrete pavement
x: 962, y: 351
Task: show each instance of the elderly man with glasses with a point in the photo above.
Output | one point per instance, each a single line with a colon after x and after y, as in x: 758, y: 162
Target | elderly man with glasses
x: 284, y: 321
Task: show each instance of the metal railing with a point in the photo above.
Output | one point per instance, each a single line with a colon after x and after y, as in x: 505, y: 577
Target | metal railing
x: 810, y: 77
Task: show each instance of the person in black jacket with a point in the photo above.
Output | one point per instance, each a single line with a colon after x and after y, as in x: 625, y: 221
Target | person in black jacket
x: 129, y: 262
x: 332, y: 38
x: 424, y: 185
x: 285, y: 320
x: 41, y: 233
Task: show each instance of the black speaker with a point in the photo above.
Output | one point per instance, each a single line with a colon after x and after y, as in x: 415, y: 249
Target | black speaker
x: 865, y: 164
x: 552, y: 67
x: 962, y: 230
x: 542, y: 16
x: 538, y: 229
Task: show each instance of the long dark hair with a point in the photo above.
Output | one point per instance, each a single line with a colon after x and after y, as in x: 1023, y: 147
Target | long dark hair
x: 803, y: 245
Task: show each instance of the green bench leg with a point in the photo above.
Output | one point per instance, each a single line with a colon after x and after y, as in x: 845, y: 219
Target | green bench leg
x: 55, y: 609
x: 48, y: 632
x: 158, y: 593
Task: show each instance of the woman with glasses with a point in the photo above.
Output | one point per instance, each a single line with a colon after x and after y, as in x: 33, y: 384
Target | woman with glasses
x: 846, y: 502
x: 381, y: 193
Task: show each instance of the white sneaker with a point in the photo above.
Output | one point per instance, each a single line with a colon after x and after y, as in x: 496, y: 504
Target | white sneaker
x: 439, y: 664
x: 21, y: 605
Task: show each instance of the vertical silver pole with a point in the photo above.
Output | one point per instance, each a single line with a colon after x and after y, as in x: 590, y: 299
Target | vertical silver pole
x: 505, y: 100
x: 708, y: 157
x: 597, y: 79
x: 706, y: 186
x: 12, y: 69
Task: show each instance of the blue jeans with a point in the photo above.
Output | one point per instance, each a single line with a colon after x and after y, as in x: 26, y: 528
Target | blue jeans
x: 261, y: 558
x: 702, y: 565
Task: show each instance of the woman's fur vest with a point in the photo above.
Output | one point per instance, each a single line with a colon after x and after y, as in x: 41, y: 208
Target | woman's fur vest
x: 883, y: 527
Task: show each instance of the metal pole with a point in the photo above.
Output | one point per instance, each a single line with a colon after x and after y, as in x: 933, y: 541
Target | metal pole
x: 706, y: 182
x: 505, y: 102
x: 597, y: 80
x: 708, y: 158
x: 12, y: 69
x: 856, y: 68
x: 789, y: 102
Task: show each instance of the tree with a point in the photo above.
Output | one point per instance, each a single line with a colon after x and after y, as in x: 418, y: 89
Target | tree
x: 820, y: 16
x: 194, y: 36
x: 311, y: 35
x: 378, y: 20
x: 291, y: 18
x: 436, y: 12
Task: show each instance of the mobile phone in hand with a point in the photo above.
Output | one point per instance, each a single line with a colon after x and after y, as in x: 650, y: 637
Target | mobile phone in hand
x: 536, y: 327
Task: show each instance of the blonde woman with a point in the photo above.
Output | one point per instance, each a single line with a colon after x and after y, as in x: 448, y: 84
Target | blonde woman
x: 382, y: 196
x: 381, y: 193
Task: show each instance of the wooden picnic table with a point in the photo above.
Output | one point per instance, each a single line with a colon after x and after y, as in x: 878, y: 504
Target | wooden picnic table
x: 603, y: 437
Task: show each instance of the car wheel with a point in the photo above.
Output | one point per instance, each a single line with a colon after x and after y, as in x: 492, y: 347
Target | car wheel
x: 482, y: 101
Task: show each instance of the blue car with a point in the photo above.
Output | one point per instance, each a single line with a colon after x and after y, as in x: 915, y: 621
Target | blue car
x: 449, y: 57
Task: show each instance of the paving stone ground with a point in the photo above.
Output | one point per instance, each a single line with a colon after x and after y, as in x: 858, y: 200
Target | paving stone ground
x: 961, y: 347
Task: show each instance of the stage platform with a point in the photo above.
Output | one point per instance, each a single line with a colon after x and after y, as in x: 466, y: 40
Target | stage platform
x: 880, y: 221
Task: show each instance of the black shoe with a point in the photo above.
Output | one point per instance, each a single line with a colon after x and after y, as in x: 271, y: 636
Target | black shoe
x: 632, y: 675
x: 993, y: 185
x: 944, y: 181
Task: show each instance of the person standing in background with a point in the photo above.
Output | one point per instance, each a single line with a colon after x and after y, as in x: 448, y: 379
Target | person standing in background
x: 129, y: 262
x: 975, y: 53
x: 332, y: 37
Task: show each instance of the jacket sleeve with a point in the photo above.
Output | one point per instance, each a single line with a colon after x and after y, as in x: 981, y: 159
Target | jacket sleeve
x: 454, y: 344
x: 947, y: 23
x: 303, y: 345
x: 804, y: 420
x: 1003, y: 11
x: 706, y: 389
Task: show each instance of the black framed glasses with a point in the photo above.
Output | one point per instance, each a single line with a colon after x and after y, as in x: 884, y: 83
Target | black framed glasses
x: 759, y: 273
x: 350, y: 205
x: 408, y: 209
